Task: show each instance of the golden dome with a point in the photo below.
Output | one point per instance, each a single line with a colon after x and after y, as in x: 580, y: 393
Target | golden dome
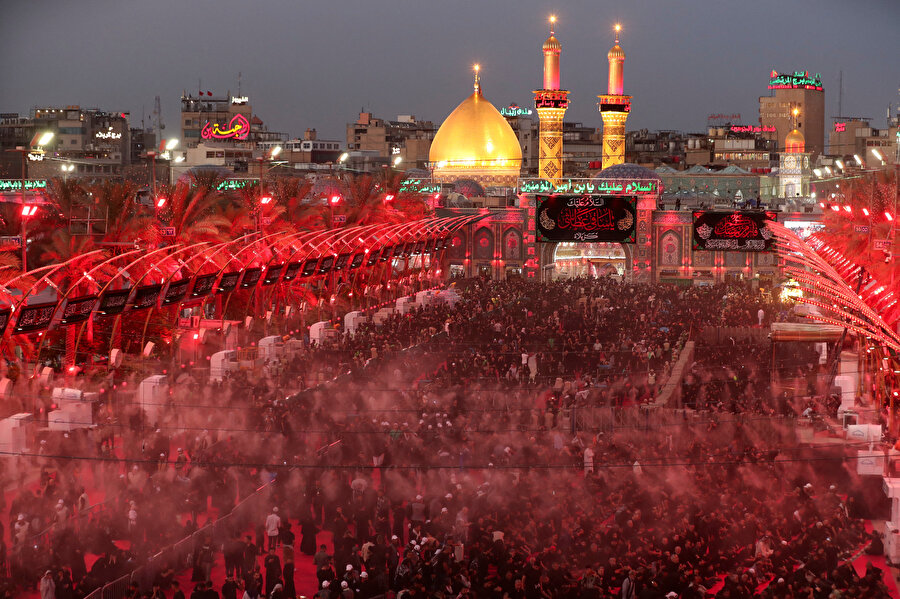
x: 475, y: 140
x: 794, y: 142
x: 552, y: 44
x: 616, y: 52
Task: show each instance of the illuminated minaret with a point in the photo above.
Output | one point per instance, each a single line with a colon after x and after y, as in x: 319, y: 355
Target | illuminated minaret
x: 551, y: 103
x: 614, y: 108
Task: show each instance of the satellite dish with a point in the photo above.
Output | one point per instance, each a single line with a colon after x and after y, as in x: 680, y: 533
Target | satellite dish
x: 148, y: 349
x: 115, y: 358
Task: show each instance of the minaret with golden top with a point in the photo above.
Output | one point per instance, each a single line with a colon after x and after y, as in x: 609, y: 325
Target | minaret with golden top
x: 614, y: 108
x: 551, y: 103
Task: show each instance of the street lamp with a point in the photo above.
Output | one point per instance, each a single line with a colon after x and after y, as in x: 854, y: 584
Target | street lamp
x: 171, y: 144
x: 397, y: 161
x: 66, y: 169
x: 858, y: 160
x: 878, y: 156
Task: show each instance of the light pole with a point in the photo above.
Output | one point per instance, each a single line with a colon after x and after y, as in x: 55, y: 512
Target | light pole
x: 66, y: 169
x: 39, y: 140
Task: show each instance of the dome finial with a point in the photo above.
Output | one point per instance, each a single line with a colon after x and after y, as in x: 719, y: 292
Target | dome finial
x: 552, y: 23
x: 477, y: 67
x: 618, y: 29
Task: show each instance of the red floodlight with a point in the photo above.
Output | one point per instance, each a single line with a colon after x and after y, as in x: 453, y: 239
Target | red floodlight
x: 29, y: 210
x: 888, y: 215
x: 389, y: 198
x: 865, y: 211
x: 265, y: 200
x: 160, y: 202
x: 335, y: 199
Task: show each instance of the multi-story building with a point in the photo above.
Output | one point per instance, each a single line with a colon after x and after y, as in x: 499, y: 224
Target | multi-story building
x: 744, y: 146
x: 96, y: 143
x: 215, y: 119
x: 408, y: 138
x: 801, y: 91
x: 856, y: 137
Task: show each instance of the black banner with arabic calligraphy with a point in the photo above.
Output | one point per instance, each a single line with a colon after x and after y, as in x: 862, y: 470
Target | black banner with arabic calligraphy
x: 357, y: 260
x: 228, y: 282
x: 273, y: 273
x: 35, y: 318
x: 146, y: 296
x: 586, y: 218
x: 78, y: 309
x: 113, y: 302
x: 738, y: 231
x: 203, y: 284
x: 251, y: 277
x: 290, y: 273
x: 176, y: 291
x: 4, y: 319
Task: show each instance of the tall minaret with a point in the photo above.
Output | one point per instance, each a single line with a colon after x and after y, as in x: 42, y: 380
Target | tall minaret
x: 614, y: 108
x: 551, y: 103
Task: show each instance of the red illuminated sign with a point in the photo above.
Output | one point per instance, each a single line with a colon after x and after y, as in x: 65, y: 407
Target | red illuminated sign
x: 237, y: 128
x: 840, y: 127
x: 752, y: 129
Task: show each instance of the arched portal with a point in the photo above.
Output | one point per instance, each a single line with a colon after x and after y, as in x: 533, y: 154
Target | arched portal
x: 595, y: 259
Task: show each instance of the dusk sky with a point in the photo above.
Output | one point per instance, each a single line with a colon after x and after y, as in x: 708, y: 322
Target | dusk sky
x: 316, y: 63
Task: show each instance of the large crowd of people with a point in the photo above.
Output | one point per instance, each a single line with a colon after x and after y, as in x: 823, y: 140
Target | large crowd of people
x: 508, y: 444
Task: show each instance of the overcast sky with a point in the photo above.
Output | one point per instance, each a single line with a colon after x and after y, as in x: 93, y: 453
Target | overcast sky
x: 316, y: 63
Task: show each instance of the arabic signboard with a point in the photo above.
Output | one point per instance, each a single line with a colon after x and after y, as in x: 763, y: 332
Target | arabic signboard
x: 78, y: 309
x: 357, y: 260
x: 881, y: 244
x: 16, y: 184
x: 795, y: 80
x: 35, y: 318
x: 4, y: 319
x: 11, y: 240
x: 374, y: 255
x: 228, y: 282
x: 590, y: 186
x: 738, y: 231
x: 203, y: 284
x: 339, y: 219
x: 864, y: 229
x: 341, y: 262
x: 146, y: 296
x: 113, y: 302
x: 168, y: 231
x: 309, y: 267
x: 325, y: 265
x: 290, y: 273
x: 237, y: 128
x: 235, y: 184
x: 586, y: 218
x: 753, y: 128
x: 273, y: 273
x: 551, y: 99
x: 251, y: 277
x: 514, y: 110
x: 423, y: 186
x: 386, y: 252
x: 176, y: 291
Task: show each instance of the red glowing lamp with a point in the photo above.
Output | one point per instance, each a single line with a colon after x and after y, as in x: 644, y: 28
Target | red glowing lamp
x: 265, y: 200
x: 29, y: 210
x: 160, y: 202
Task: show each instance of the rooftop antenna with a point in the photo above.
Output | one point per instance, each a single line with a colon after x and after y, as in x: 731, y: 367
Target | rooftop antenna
x: 840, y: 92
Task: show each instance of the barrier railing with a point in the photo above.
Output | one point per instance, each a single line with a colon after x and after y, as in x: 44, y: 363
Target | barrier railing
x: 180, y: 554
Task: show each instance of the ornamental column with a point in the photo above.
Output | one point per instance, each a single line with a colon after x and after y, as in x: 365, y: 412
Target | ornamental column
x: 614, y: 108
x: 551, y: 103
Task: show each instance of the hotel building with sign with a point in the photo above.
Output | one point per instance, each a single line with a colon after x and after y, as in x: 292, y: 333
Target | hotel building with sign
x: 800, y: 90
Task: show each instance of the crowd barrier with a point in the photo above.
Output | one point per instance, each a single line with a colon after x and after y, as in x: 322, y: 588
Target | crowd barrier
x: 180, y: 554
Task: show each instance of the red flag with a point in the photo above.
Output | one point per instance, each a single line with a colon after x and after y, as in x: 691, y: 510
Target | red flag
x: 208, y: 93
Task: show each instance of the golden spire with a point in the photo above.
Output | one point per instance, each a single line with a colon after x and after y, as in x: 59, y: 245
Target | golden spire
x: 552, y: 22
x: 618, y: 29
x: 476, y: 68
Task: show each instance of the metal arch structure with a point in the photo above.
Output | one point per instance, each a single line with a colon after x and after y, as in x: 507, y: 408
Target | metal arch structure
x: 284, y: 247
x: 829, y: 290
x: 820, y: 280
